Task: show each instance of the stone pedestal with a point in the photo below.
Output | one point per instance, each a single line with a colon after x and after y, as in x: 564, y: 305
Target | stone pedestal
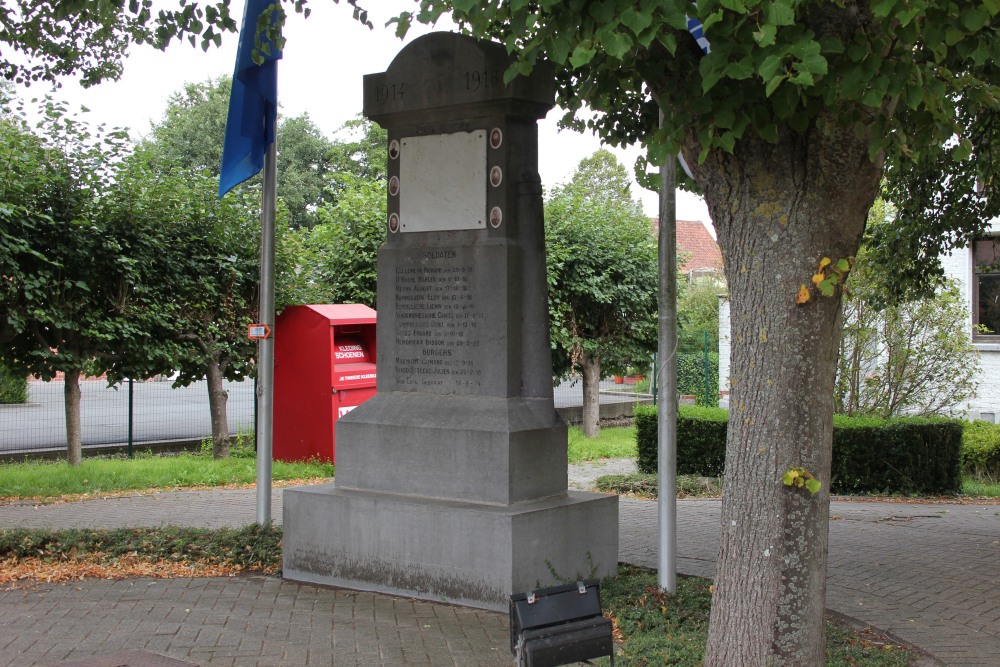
x: 451, y: 481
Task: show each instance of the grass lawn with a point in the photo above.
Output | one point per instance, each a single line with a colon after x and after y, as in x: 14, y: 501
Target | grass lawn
x: 980, y: 488
x: 96, y: 476
x: 614, y: 442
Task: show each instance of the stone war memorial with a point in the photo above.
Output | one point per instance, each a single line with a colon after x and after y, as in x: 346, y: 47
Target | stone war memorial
x: 451, y: 482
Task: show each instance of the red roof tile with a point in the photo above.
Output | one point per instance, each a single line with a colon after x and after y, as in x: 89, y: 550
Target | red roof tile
x: 696, y: 246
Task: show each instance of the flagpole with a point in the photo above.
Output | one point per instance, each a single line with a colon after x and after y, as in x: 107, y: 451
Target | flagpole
x: 265, y: 347
x: 666, y: 469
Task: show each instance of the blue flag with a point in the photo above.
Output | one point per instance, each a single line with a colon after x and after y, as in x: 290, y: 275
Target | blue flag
x: 253, y: 105
x: 697, y: 31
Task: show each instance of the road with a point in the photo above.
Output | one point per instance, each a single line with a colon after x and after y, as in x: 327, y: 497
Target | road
x: 159, y: 413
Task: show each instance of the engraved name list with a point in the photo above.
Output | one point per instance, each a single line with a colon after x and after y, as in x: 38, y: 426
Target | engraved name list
x: 438, y: 325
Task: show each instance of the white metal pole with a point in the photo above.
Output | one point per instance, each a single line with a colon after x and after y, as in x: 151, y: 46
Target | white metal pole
x: 666, y: 470
x: 265, y: 347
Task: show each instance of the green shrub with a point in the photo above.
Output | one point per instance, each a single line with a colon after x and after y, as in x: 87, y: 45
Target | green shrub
x: 691, y: 377
x: 899, y: 455
x: 645, y: 421
x: 13, y: 386
x: 701, y: 440
x: 981, y: 450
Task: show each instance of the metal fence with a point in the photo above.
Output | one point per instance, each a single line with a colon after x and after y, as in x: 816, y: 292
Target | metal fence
x: 139, y: 412
x: 154, y: 412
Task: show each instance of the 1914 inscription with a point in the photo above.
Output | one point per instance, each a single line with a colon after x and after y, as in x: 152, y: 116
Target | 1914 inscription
x: 438, y: 325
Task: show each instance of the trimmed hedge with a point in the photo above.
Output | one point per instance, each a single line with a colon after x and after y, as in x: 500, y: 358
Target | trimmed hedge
x: 901, y: 455
x: 700, y: 431
x: 981, y: 450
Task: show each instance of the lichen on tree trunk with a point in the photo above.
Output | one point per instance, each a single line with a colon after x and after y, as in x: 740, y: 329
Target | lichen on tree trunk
x: 71, y: 401
x: 778, y: 210
x: 217, y: 399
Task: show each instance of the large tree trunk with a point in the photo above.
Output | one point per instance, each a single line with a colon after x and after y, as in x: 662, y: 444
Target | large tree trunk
x: 779, y: 209
x: 590, y: 366
x: 217, y: 398
x: 71, y: 402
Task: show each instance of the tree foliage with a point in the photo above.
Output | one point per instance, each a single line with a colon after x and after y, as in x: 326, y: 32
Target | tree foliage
x: 913, y: 357
x: 335, y: 261
x: 902, y: 352
x: 788, y: 125
x: 90, y: 38
x: 66, y: 291
x: 200, y: 280
x: 601, y: 262
x: 698, y: 314
x: 191, y: 131
x: 917, y: 79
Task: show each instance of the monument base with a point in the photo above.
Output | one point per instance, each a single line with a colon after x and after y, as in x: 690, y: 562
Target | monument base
x: 466, y: 553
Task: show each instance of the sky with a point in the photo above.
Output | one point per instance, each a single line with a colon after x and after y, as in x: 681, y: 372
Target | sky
x: 325, y: 58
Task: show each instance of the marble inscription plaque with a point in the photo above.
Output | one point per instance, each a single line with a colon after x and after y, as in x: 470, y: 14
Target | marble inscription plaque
x: 442, y: 182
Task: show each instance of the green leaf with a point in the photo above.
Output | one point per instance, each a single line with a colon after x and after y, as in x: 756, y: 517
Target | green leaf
x: 582, y: 54
x: 773, y: 84
x: 734, y: 5
x: 766, y: 35
x: 779, y: 12
x: 962, y: 151
x: 882, y: 8
x: 635, y: 21
x: 873, y: 97
x: 826, y: 288
x: 974, y: 19
x: 602, y: 11
x: 711, y: 68
x: 616, y: 45
x: 813, y: 485
x: 953, y: 35
x: 741, y: 69
x: 769, y: 68
x: 559, y: 51
x: 711, y: 19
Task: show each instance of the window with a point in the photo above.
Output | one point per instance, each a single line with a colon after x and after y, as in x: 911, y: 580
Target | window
x: 986, y: 288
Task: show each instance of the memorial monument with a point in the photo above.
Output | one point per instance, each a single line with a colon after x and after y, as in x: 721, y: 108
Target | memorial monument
x: 451, y: 481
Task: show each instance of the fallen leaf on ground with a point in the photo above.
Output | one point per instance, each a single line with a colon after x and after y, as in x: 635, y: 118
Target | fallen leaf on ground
x: 28, y: 572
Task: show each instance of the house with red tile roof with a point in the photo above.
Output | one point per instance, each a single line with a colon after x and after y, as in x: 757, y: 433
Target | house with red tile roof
x: 697, y: 250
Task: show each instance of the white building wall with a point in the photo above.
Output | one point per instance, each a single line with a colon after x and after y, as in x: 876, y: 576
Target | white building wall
x: 986, y: 403
x: 725, y: 351
x: 957, y: 265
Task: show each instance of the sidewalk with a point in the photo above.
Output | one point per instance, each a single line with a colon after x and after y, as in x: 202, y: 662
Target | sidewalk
x: 927, y: 573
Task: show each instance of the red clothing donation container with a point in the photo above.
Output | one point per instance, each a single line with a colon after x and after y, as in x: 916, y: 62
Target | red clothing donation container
x: 324, y: 366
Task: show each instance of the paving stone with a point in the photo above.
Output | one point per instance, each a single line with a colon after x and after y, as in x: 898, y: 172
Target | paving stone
x: 926, y: 573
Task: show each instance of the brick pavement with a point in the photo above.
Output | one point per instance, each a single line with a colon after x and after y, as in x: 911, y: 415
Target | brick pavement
x: 928, y: 573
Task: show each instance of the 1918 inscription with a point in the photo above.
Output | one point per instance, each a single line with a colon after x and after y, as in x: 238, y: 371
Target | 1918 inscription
x: 438, y: 325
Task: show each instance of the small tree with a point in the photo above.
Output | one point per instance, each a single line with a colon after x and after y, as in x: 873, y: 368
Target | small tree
x: 66, y: 286
x: 601, y: 260
x: 910, y: 357
x: 199, y: 290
